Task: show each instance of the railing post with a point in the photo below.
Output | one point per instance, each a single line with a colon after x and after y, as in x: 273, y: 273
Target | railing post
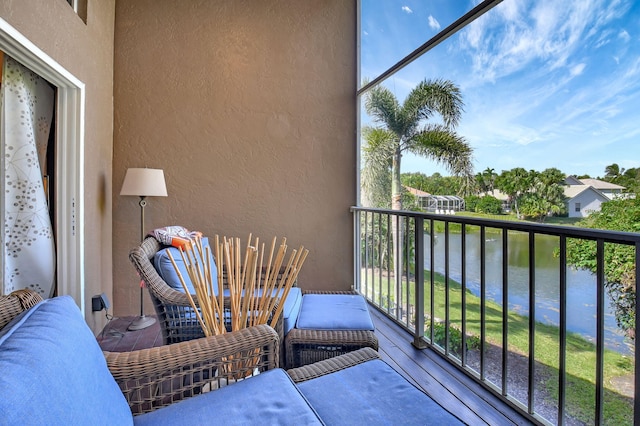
x: 418, y: 335
x: 417, y: 298
x: 636, y: 399
x: 356, y: 251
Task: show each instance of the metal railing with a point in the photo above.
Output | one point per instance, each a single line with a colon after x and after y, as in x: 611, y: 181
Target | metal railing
x: 456, y: 291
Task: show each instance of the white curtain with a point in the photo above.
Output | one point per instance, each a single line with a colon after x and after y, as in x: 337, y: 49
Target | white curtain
x: 28, y: 249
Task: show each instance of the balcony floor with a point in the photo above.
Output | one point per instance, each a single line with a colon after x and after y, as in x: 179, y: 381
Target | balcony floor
x: 427, y: 370
x: 424, y: 368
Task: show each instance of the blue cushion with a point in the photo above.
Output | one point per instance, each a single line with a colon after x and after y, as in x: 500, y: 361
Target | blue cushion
x: 267, y: 399
x: 53, y: 371
x: 334, y: 312
x: 291, y: 307
x: 372, y: 393
x: 167, y: 272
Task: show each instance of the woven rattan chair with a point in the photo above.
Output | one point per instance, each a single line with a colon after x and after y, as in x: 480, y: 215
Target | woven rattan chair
x: 157, y: 377
x: 16, y: 302
x: 307, y: 346
x: 331, y: 365
x: 177, y: 320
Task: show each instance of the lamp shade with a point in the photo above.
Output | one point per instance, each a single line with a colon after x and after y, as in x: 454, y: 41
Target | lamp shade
x: 144, y: 183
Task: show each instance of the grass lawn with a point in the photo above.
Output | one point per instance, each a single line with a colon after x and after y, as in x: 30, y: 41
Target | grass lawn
x: 580, y: 353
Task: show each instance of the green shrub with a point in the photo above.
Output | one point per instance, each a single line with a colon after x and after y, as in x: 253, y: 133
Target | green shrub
x: 489, y: 205
x: 455, y: 338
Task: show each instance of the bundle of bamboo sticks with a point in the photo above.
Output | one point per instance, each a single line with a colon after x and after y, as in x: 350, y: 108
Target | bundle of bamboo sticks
x: 254, y: 297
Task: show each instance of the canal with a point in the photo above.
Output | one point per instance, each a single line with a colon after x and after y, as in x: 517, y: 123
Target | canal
x: 581, y: 284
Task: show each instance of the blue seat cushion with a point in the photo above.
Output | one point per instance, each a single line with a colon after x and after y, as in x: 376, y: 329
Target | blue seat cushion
x: 375, y: 394
x: 334, y: 312
x: 269, y: 398
x: 166, y: 270
x: 53, y: 371
x: 292, y: 306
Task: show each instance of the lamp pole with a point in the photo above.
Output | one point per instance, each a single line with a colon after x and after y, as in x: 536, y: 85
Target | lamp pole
x: 143, y: 182
x: 142, y: 321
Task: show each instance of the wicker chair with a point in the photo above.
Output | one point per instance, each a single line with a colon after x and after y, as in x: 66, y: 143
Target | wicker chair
x: 177, y: 320
x: 157, y: 377
x: 14, y: 303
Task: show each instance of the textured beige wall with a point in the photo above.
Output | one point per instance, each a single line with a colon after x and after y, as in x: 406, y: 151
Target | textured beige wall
x: 249, y: 107
x: 86, y: 51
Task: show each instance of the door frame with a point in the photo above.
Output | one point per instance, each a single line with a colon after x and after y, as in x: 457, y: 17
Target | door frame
x: 69, y: 190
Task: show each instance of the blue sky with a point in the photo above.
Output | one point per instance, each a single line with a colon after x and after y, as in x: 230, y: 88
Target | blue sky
x: 546, y: 83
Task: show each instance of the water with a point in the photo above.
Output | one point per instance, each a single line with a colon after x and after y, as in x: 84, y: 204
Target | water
x: 581, y: 284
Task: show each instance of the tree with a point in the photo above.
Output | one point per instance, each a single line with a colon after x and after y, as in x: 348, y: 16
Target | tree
x: 613, y: 172
x: 435, y: 184
x: 406, y: 129
x: 486, y: 181
x: 376, y: 173
x: 514, y: 183
x: 438, y: 142
x: 534, y: 194
x: 619, y: 261
x: 545, y: 196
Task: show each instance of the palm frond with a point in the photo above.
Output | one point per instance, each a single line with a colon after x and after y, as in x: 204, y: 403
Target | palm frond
x: 446, y: 147
x: 383, y: 107
x: 435, y: 96
x: 377, y: 153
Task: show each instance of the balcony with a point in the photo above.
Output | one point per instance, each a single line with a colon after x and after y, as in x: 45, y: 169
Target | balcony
x: 495, y: 380
x: 527, y: 328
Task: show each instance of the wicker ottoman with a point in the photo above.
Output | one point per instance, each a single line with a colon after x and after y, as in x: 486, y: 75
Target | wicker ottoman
x: 329, y: 325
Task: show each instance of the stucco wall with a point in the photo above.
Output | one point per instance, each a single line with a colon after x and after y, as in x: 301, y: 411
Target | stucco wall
x: 249, y: 107
x: 86, y: 51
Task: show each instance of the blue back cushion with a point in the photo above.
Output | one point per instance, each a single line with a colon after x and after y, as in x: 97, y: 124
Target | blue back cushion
x: 167, y: 271
x: 375, y: 394
x: 53, y: 371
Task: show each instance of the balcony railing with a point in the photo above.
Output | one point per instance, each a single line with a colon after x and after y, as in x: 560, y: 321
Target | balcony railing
x: 495, y: 296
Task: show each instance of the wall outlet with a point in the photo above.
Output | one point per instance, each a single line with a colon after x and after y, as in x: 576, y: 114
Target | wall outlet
x: 99, y: 302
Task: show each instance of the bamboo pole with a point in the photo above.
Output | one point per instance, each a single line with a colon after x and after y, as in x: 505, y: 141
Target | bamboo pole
x: 256, y: 292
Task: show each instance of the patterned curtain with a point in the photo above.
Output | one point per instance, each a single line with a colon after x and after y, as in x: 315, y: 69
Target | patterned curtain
x: 28, y: 248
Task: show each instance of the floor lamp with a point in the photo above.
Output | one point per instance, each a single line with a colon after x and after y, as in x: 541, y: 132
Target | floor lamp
x: 143, y: 183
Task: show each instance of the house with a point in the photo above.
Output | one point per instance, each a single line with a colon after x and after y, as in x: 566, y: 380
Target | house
x: 586, y: 195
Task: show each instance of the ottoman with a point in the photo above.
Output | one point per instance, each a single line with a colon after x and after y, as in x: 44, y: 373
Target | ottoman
x: 329, y: 325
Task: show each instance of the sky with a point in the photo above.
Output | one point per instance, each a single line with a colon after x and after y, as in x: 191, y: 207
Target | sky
x: 545, y: 83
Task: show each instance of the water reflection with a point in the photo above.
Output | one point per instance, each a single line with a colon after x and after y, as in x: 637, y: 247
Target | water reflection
x: 581, y: 285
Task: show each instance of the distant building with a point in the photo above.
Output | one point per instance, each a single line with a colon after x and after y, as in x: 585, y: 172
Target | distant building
x: 437, y: 203
x: 587, y: 195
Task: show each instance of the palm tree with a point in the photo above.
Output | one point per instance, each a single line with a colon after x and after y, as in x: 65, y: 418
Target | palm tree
x: 402, y: 132
x: 613, y: 172
x: 376, y: 176
x: 437, y: 142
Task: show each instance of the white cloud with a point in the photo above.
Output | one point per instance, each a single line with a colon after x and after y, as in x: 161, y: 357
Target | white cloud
x: 433, y: 23
x: 577, y: 69
x: 544, y: 36
x: 407, y: 9
x: 624, y: 35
